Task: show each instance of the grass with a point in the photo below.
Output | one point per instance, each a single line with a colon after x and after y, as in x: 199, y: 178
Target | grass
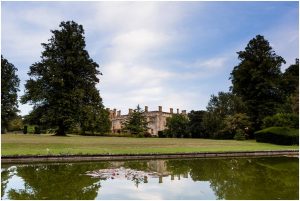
x: 19, y: 144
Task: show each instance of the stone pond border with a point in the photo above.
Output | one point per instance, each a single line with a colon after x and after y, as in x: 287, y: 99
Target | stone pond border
x: 106, y: 157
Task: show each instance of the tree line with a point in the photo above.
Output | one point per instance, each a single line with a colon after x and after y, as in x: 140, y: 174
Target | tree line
x: 261, y: 96
x: 62, y: 90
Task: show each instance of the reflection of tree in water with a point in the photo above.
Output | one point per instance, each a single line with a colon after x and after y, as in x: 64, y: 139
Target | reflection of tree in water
x: 259, y: 178
x: 5, y: 176
x: 240, y: 178
x: 61, y: 181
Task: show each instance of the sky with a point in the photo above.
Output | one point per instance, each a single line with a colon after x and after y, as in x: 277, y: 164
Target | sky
x: 169, y: 54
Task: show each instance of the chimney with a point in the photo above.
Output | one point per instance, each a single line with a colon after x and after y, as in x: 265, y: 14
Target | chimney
x: 115, y: 112
x: 183, y: 112
x: 146, y: 108
x: 171, y: 110
x: 107, y: 109
x: 160, y: 108
x: 119, y: 113
x: 129, y: 111
x: 177, y: 111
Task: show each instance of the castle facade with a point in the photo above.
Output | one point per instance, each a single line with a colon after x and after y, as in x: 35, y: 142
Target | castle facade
x: 156, y: 119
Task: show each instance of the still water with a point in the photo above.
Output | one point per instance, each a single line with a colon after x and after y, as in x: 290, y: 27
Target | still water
x: 230, y: 178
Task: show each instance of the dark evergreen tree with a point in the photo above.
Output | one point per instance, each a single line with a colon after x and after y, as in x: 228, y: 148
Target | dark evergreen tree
x: 63, y: 83
x: 9, y: 88
x: 136, y: 122
x: 196, y: 126
x: 257, y: 79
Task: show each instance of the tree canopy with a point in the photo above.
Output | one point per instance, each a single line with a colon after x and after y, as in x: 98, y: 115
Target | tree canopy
x: 63, y: 83
x: 177, y: 126
x: 256, y: 79
x: 9, y: 88
x: 136, y: 122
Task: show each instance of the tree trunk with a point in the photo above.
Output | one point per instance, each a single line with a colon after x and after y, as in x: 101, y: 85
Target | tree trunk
x: 61, y: 130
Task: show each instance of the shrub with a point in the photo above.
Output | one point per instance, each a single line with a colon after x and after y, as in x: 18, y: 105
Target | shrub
x: 240, y: 135
x: 37, y: 130
x: 281, y: 120
x: 237, y: 125
x: 278, y: 135
x: 25, y: 130
x: 161, y: 134
x: 147, y: 134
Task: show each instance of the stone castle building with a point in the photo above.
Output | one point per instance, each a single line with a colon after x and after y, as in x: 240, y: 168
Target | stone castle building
x: 156, y: 119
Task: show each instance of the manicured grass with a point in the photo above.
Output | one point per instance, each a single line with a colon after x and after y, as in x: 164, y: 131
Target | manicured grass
x: 18, y: 144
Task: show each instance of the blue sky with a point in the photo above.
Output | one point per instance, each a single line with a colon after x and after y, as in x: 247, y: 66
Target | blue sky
x: 173, y: 54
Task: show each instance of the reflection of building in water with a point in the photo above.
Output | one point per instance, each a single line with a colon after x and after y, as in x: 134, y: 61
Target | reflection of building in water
x: 156, y: 119
x: 156, y: 166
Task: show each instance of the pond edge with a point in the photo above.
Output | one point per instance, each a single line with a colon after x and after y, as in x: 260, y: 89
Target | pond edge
x: 108, y: 157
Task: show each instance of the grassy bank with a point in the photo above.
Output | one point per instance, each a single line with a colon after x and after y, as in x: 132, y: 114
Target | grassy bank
x: 12, y: 144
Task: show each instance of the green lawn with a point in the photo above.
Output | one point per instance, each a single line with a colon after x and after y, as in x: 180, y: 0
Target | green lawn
x: 18, y: 144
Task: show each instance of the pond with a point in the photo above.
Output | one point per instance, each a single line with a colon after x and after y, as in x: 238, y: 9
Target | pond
x: 226, y: 178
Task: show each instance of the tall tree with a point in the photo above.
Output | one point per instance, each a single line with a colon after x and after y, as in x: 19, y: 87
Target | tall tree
x: 218, y: 108
x: 257, y: 79
x: 9, y: 88
x: 290, y: 88
x: 177, y: 126
x: 136, y: 122
x: 225, y: 103
x: 64, y: 82
x: 196, y: 126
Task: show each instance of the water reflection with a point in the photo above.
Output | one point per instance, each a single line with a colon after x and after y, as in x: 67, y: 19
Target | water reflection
x: 236, y: 178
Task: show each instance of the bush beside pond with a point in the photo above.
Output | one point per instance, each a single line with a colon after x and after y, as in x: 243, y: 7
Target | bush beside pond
x: 278, y: 135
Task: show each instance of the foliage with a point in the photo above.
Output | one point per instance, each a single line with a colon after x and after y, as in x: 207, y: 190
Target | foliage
x: 225, y: 103
x: 281, y: 120
x: 213, y: 125
x: 177, y: 126
x: 256, y: 79
x: 15, y: 124
x: 290, y: 88
x: 136, y: 122
x: 278, y: 135
x: 240, y: 135
x: 161, y: 134
x: 220, y: 106
x: 95, y: 119
x: 237, y: 125
x: 290, y: 78
x: 9, y: 88
x: 196, y: 126
x: 63, y: 83
x: 31, y: 129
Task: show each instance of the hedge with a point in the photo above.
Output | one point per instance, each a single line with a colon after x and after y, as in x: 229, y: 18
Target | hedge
x: 278, y: 135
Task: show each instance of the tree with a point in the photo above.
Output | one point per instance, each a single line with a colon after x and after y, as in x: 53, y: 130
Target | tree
x: 177, y: 126
x: 290, y: 88
x: 15, y: 124
x: 64, y: 82
x: 136, y: 123
x: 9, y: 88
x: 256, y: 79
x: 220, y: 106
x: 290, y: 78
x: 237, y: 125
x: 95, y: 120
x: 225, y: 103
x: 196, y: 126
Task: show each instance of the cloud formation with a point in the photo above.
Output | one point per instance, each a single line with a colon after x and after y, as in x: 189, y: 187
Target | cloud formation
x: 173, y: 54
